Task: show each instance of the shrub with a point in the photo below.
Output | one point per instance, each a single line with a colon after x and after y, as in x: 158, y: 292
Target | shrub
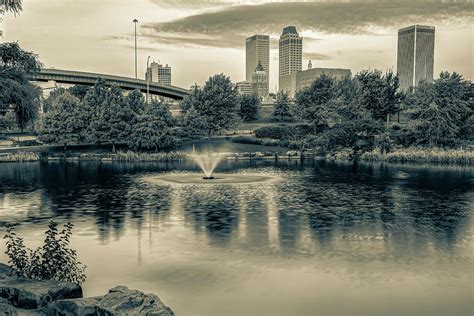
x: 255, y: 141
x: 55, y: 260
x: 275, y: 132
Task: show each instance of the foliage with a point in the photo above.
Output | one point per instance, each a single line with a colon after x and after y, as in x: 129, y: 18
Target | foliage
x: 217, y: 102
x: 14, y: 6
x: 440, y: 110
x: 314, y: 102
x: 379, y: 93
x: 282, y: 110
x: 384, y: 142
x: 61, y: 125
x: 275, y: 132
x: 255, y: 141
x: 16, y: 92
x: 141, y: 156
x: 48, y: 102
x: 161, y: 109
x: 249, y: 107
x: 55, y: 260
x: 136, y: 101
x: 151, y: 131
x: 423, y: 155
x: 358, y: 135
x: 79, y: 91
x: 112, y: 120
x: 194, y: 125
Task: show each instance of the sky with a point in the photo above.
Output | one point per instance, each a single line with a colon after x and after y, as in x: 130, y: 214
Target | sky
x: 199, y: 38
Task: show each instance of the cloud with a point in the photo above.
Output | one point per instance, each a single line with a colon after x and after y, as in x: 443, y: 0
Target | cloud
x: 316, y: 56
x: 228, y: 26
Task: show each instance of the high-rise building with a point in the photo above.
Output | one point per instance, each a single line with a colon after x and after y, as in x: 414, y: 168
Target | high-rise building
x: 260, y: 82
x: 257, y: 49
x: 290, y: 52
x: 415, y: 57
x: 159, y: 73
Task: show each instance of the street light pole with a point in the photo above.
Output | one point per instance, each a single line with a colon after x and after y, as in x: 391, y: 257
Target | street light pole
x: 148, y: 75
x: 135, y: 21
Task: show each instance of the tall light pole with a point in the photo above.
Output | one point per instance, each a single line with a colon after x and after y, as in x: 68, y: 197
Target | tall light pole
x: 135, y: 21
x: 148, y: 75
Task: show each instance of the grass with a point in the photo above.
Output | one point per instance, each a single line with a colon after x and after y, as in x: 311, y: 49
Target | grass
x: 20, y: 156
x: 423, y: 155
x: 139, y: 156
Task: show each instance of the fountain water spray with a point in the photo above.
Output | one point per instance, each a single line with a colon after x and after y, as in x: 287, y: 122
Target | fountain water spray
x: 207, y: 162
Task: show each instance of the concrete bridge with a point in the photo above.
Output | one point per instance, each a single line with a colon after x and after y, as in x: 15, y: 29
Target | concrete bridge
x: 126, y: 83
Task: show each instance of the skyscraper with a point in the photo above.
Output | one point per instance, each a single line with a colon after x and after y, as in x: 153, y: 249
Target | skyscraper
x: 260, y: 82
x: 159, y: 73
x: 415, y: 57
x: 257, y: 50
x: 290, y: 52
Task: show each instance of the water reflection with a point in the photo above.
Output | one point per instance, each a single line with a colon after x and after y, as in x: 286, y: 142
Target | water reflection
x: 333, y: 216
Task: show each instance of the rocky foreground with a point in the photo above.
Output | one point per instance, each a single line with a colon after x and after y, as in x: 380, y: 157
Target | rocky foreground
x: 20, y: 296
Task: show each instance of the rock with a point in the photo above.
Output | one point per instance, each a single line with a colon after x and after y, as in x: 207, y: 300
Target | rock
x: 292, y: 153
x: 119, y: 301
x: 34, y: 294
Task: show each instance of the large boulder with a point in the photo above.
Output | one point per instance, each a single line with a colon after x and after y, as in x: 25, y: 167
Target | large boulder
x: 34, y: 294
x: 119, y: 301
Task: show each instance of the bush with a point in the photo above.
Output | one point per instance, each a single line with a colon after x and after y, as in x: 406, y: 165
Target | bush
x: 53, y: 261
x: 275, y: 132
x: 255, y: 141
x: 423, y: 155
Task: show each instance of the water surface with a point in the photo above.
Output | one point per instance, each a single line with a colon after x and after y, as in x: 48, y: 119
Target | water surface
x: 321, y: 239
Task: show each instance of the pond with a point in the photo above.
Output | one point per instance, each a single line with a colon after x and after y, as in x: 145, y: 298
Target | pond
x: 314, y: 238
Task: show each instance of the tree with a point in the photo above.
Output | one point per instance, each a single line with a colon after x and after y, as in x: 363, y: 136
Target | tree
x: 282, y: 109
x: 161, y: 109
x: 48, y: 102
x: 113, y: 122
x: 217, y: 102
x: 249, y: 107
x: 136, y: 101
x: 151, y: 131
x: 194, y: 125
x: 62, y: 125
x: 14, y: 6
x: 79, y: 91
x: 16, y: 92
x: 316, y: 101
x: 379, y: 93
x: 441, y: 109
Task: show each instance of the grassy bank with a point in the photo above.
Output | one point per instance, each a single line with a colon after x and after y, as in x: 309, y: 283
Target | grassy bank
x: 128, y: 156
x: 423, y: 155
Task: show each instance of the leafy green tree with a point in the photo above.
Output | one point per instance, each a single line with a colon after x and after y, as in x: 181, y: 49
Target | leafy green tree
x: 249, y: 107
x: 191, y: 100
x: 62, y: 125
x: 440, y: 110
x: 14, y: 6
x: 136, y: 101
x: 151, y: 131
x: 379, y: 93
x: 194, y: 125
x: 79, y: 91
x: 112, y: 122
x: 162, y: 110
x: 217, y: 102
x: 315, y: 102
x: 48, y: 102
x: 282, y: 108
x: 346, y: 105
x: 16, y: 92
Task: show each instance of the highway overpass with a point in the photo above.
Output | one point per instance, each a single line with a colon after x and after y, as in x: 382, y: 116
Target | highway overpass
x: 126, y: 83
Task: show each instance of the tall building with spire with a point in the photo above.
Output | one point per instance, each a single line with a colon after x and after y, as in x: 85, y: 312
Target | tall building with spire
x: 257, y: 49
x: 415, y: 56
x: 290, y: 53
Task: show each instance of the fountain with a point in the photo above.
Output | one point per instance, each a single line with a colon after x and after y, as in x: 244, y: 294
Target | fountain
x: 207, y: 162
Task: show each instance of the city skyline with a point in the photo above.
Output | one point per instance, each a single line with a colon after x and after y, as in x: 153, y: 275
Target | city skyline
x: 169, y: 35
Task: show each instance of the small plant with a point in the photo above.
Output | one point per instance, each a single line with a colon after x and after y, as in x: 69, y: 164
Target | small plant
x: 55, y: 260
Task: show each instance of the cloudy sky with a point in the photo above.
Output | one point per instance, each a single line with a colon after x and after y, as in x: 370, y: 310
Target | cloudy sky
x: 199, y: 38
